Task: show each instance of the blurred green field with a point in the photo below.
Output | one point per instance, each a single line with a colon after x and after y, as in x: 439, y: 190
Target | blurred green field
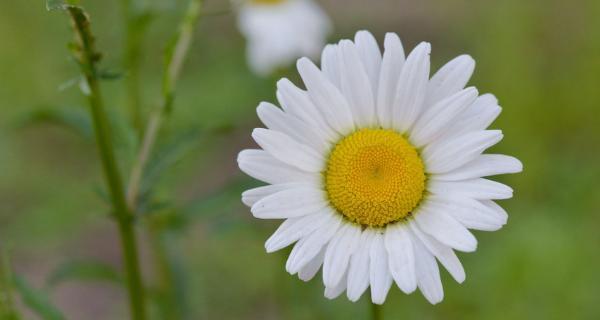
x: 540, y: 58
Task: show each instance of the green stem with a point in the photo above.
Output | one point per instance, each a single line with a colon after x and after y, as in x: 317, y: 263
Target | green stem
x: 376, y: 311
x: 87, y: 57
x: 175, y: 56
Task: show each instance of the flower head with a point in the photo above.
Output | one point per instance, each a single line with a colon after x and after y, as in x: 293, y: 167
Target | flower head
x: 280, y: 31
x: 377, y: 169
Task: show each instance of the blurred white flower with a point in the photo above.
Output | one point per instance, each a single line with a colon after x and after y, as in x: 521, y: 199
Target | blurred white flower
x: 377, y: 168
x: 280, y: 31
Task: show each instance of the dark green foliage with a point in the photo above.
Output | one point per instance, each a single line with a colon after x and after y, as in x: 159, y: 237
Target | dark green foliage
x: 37, y: 300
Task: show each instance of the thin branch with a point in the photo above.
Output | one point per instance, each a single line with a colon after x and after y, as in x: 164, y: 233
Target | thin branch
x: 175, y: 56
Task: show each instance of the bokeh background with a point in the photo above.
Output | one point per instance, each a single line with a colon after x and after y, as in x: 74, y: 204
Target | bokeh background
x: 541, y: 58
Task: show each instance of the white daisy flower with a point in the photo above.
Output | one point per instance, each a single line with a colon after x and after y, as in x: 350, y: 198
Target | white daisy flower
x: 377, y: 169
x: 280, y: 31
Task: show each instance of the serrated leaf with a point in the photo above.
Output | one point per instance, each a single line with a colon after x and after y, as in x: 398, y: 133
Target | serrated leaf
x: 83, y: 270
x: 37, y: 300
x: 73, y: 118
x: 125, y: 138
x: 169, y: 155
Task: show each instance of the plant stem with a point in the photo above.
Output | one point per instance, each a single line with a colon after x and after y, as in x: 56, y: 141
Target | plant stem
x: 376, y: 311
x: 175, y: 56
x: 87, y: 57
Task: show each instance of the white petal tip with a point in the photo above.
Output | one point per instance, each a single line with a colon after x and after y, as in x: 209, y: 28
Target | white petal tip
x: 378, y: 300
x: 466, y: 59
x: 303, y: 63
x: 291, y: 270
x: 425, y: 46
x: 408, y: 289
x: 352, y: 298
x: 518, y: 166
x: 471, y: 91
x: 470, y: 247
x: 269, y: 247
x: 391, y: 36
x: 246, y: 201
x: 257, y: 133
x: 331, y: 293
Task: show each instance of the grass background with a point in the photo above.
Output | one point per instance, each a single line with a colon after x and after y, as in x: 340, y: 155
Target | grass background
x: 540, y: 58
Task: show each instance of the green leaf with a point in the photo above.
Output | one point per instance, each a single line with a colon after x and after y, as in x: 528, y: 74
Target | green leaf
x: 7, y: 305
x: 83, y: 270
x: 52, y: 5
x: 169, y: 155
x: 37, y: 300
x: 72, y: 118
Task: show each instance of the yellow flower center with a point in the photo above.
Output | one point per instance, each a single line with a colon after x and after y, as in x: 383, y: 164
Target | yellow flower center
x: 267, y: 1
x: 374, y: 177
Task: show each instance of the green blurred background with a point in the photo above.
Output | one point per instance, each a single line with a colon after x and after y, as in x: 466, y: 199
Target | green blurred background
x: 540, y: 58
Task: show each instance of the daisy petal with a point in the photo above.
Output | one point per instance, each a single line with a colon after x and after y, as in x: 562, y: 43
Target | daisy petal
x: 290, y: 203
x: 338, y: 253
x: 358, y: 272
x: 443, y: 253
x: 262, y: 166
x: 326, y: 97
x: 356, y: 86
x: 310, y: 269
x: 444, y: 228
x: 296, y: 102
x: 428, y: 273
x: 470, y: 213
x: 431, y: 123
x: 251, y: 196
x: 330, y: 64
x: 336, y: 291
x: 482, y: 189
x: 446, y: 155
x: 370, y: 55
x: 294, y: 229
x: 401, y: 257
x: 451, y: 78
x: 391, y: 66
x: 478, y: 116
x: 482, y: 166
x: 412, y: 88
x: 289, y: 151
x: 275, y: 119
x: 309, y: 247
x: 496, y: 209
x: 379, y: 275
